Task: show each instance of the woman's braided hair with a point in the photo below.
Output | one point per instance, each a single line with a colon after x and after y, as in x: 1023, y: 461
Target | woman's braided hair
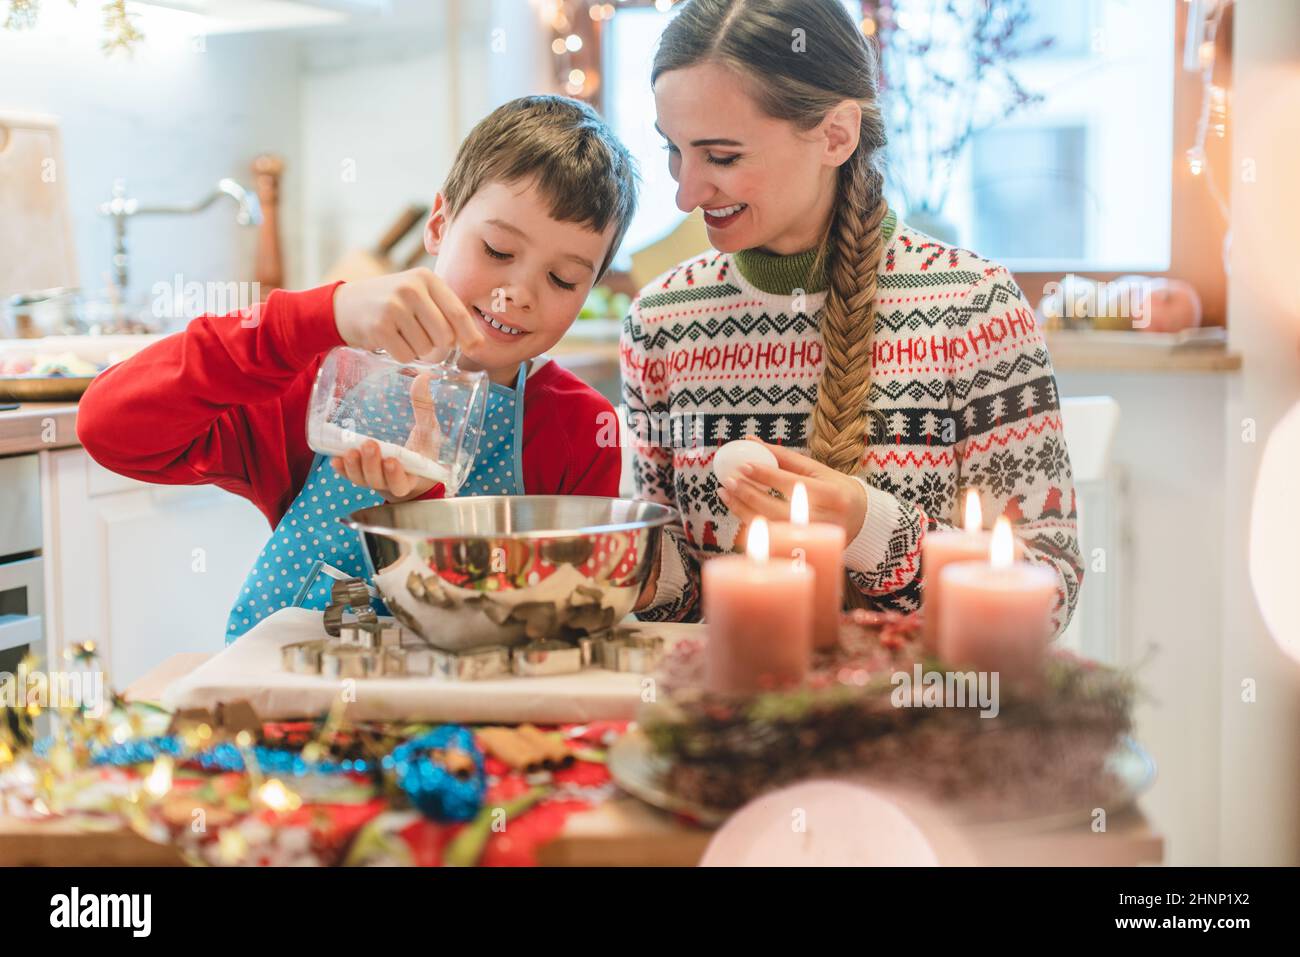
x: 839, y: 434
x: 802, y: 84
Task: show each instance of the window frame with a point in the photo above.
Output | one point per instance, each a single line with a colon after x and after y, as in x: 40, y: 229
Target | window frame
x: 1197, y: 228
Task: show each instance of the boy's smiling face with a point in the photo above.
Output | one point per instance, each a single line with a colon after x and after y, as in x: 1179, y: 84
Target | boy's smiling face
x: 522, y: 274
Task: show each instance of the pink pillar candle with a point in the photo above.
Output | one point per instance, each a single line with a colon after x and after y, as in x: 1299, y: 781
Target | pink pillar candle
x: 759, y: 615
x: 820, y: 546
x: 940, y: 549
x: 997, y: 614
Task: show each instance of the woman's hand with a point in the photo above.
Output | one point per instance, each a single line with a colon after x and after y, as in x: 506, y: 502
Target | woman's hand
x: 832, y: 496
x: 385, y: 474
x: 409, y: 315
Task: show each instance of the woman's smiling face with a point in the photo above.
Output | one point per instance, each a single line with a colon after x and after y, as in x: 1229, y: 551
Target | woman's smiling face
x: 761, y: 182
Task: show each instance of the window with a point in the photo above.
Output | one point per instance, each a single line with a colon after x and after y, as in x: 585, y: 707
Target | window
x: 1078, y: 182
x: 629, y: 106
x: 1020, y: 174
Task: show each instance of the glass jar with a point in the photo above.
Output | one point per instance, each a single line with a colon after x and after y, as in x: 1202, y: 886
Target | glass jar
x: 428, y: 416
x: 47, y: 312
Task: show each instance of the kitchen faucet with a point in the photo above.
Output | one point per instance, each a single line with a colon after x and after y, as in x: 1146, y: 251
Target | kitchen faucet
x: 119, y: 209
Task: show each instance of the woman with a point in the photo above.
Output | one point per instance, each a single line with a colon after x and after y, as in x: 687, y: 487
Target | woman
x: 908, y: 370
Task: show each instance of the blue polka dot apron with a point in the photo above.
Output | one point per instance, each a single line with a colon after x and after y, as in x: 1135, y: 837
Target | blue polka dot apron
x: 310, y: 548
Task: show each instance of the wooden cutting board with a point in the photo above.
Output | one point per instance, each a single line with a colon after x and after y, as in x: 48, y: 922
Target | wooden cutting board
x: 36, y: 245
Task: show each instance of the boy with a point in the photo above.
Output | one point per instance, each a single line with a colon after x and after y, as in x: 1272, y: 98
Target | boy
x: 533, y: 210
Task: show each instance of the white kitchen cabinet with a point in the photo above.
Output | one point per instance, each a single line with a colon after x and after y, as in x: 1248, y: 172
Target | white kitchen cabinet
x: 145, y: 570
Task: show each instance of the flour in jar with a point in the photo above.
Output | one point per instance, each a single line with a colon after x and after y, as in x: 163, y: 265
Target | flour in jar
x: 330, y: 439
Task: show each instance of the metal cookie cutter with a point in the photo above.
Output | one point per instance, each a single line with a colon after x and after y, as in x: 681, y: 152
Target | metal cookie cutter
x: 346, y: 595
x: 303, y: 657
x: 374, y: 636
x: 414, y: 661
x: 490, y: 662
x: 640, y: 653
x: 349, y: 661
x: 547, y: 658
x: 630, y: 651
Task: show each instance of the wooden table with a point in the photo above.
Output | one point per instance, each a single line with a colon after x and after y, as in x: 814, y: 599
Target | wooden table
x: 619, y: 832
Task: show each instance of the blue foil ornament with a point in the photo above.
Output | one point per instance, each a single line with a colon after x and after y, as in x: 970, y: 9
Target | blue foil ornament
x: 219, y: 757
x: 430, y: 786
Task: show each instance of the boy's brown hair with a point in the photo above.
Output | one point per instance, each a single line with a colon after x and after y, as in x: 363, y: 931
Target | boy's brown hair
x: 580, y: 166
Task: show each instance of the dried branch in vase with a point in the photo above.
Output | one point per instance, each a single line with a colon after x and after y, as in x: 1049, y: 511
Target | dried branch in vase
x: 947, y: 74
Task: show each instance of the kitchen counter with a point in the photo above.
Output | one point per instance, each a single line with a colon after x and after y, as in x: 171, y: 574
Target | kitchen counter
x: 34, y: 426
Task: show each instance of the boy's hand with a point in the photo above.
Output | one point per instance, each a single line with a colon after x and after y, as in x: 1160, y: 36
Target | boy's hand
x: 385, y: 474
x: 407, y: 314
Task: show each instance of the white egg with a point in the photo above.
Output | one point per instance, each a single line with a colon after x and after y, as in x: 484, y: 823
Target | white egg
x: 735, y: 454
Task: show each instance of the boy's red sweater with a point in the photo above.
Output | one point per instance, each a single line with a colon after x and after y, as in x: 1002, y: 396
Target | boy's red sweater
x: 225, y: 403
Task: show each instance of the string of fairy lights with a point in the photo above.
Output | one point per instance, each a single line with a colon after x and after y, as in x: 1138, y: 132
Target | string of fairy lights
x: 576, y: 27
x: 1200, y: 55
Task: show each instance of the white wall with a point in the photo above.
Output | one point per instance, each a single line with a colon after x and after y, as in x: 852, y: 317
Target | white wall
x: 1229, y: 765
x: 1170, y: 560
x: 1260, y: 744
x: 384, y: 109
x: 173, y: 119
x: 394, y: 94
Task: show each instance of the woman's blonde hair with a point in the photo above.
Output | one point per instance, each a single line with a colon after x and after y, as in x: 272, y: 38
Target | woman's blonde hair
x: 801, y: 59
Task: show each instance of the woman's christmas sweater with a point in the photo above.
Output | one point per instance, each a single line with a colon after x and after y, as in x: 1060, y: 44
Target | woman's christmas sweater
x: 962, y: 396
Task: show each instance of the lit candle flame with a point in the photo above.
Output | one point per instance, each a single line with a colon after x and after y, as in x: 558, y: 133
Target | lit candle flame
x: 974, y: 514
x: 799, y: 505
x: 1002, y: 550
x: 757, y: 546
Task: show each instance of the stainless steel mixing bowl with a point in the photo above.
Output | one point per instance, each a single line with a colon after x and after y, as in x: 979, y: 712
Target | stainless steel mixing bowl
x: 498, y: 570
